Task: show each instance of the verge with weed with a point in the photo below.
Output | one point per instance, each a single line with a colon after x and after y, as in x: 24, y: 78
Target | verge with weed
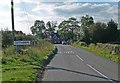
x: 99, y: 52
x: 20, y: 66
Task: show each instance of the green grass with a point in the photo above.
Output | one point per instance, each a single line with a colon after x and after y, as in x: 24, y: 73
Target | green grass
x: 99, y: 52
x: 20, y: 67
x: 18, y: 74
x: 18, y: 70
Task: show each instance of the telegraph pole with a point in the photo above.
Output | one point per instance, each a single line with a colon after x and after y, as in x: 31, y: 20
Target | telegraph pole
x: 12, y: 18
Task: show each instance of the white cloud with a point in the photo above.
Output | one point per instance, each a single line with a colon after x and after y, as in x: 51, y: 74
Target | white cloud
x: 104, y: 11
x: 31, y: 1
x: 44, y: 9
x: 74, y: 0
x: 52, y: 11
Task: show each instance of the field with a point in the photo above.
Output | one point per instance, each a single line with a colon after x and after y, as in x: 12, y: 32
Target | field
x: 21, y: 66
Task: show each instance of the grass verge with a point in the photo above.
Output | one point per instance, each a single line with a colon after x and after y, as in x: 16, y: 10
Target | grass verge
x: 99, y: 52
x: 20, y: 66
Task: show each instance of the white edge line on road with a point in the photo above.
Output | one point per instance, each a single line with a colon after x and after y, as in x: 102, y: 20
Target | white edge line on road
x: 80, y: 58
x: 99, y: 72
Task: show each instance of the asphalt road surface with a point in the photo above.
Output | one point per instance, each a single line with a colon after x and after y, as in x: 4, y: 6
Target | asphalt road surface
x: 74, y: 64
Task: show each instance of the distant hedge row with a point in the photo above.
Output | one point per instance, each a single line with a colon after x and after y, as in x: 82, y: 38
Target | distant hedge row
x: 109, y: 48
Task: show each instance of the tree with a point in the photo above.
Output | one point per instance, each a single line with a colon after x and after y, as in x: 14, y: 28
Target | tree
x: 68, y: 29
x: 74, y: 26
x: 7, y: 38
x: 64, y: 30
x: 51, y: 26
x: 38, y: 28
x: 102, y: 32
x: 112, y: 31
x: 99, y: 32
x: 86, y: 22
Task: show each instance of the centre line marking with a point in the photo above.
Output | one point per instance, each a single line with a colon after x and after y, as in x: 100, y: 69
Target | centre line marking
x: 80, y: 58
x: 99, y: 72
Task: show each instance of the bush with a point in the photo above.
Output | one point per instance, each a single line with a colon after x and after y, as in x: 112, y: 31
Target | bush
x: 30, y: 58
x: 109, y: 48
x: 83, y: 44
x: 104, y: 50
x: 4, y: 60
x: 9, y: 51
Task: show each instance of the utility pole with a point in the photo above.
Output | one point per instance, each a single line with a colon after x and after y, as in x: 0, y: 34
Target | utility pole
x: 12, y: 18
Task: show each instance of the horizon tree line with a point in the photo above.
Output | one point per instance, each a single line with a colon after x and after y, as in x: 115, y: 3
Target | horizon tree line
x: 84, y: 29
x: 70, y: 30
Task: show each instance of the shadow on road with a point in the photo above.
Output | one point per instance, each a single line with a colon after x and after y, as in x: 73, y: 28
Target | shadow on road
x: 84, y: 73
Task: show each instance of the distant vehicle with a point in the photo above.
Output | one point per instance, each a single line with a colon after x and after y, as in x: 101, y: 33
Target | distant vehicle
x: 64, y: 42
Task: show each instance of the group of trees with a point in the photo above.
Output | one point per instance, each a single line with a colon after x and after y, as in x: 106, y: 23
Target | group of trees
x: 99, y: 32
x: 102, y: 32
x: 41, y: 29
x: 85, y: 30
x: 71, y: 29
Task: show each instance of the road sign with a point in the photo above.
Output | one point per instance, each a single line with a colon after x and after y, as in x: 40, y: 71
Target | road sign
x: 18, y: 43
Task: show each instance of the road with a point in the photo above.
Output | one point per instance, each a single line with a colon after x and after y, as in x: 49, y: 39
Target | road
x: 74, y: 64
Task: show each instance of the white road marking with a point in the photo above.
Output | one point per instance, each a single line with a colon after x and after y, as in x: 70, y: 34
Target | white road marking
x: 67, y: 52
x: 96, y: 70
x: 72, y: 52
x: 99, y: 72
x: 80, y: 58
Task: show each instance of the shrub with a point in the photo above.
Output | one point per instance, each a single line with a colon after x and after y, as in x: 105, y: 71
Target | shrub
x: 9, y: 51
x: 83, y: 44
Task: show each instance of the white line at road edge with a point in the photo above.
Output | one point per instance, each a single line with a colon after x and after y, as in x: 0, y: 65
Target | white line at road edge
x: 96, y: 70
x: 80, y: 58
x: 99, y: 72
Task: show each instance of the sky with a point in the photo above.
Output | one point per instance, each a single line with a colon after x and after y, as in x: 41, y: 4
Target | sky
x: 27, y: 11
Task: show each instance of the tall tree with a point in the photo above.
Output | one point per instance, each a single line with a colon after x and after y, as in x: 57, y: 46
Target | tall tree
x: 112, y: 31
x: 6, y: 38
x: 64, y: 29
x: 69, y: 28
x: 99, y: 32
x: 51, y: 25
x: 74, y: 26
x: 38, y: 28
x: 86, y: 22
x: 102, y: 32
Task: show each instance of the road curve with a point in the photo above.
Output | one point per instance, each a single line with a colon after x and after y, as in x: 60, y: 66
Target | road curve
x: 74, y: 64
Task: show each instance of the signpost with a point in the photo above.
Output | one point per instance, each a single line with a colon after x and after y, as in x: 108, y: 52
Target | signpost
x: 12, y: 19
x: 16, y: 43
x: 21, y: 43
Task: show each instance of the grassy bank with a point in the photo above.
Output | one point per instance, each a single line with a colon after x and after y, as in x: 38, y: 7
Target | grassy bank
x: 98, y: 51
x: 20, y: 66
